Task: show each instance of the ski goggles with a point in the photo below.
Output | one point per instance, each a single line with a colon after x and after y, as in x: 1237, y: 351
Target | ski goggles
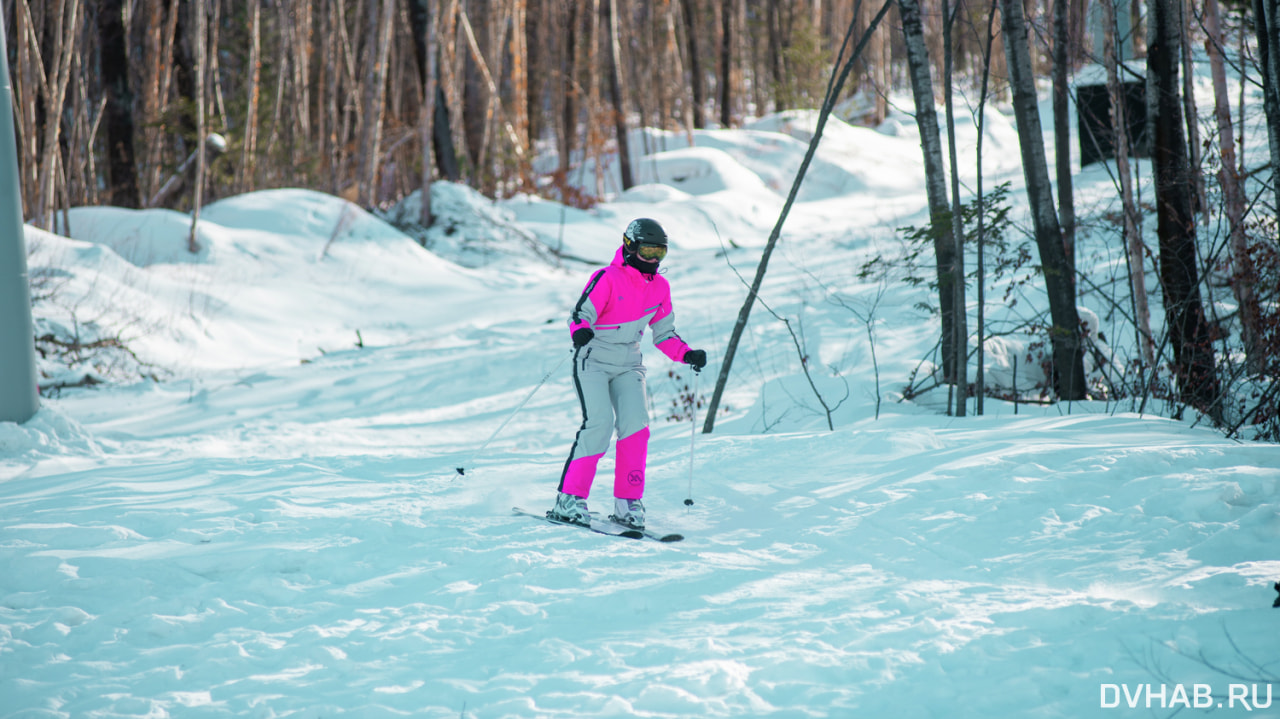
x: 651, y: 253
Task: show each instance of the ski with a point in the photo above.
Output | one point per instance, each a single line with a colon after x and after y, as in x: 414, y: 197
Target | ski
x: 597, y: 526
x: 606, y: 526
x: 648, y: 533
x: 655, y: 536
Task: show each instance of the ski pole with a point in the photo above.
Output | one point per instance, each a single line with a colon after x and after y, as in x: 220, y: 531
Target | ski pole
x: 462, y: 470
x: 693, y: 433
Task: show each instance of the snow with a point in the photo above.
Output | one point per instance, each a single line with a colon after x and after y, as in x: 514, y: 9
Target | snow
x: 277, y: 528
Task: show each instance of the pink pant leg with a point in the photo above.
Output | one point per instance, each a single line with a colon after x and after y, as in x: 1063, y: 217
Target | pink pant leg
x: 628, y: 472
x: 579, y: 475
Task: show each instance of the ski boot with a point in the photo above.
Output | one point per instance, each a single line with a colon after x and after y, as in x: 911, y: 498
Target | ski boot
x: 628, y: 512
x: 570, y: 508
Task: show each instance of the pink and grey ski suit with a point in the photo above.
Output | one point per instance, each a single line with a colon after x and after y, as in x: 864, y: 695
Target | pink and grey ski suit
x: 608, y: 372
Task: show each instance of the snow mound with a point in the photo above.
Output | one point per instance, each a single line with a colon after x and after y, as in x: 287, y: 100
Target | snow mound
x: 281, y: 275
x: 50, y: 434
x: 653, y: 192
x: 849, y: 159
x: 140, y: 237
x: 698, y: 171
x: 468, y: 228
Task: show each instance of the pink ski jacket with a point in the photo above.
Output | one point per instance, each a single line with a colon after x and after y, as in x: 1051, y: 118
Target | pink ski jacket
x: 619, y: 301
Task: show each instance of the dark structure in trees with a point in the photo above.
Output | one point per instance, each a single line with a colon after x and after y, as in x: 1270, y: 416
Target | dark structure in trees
x: 1093, y: 118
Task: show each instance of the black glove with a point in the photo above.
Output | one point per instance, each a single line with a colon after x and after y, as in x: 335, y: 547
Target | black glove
x: 582, y: 335
x: 697, y: 359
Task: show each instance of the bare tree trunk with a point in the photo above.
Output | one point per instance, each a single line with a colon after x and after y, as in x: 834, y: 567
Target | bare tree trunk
x: 1244, y: 276
x: 281, y: 128
x: 960, y: 323
x: 1192, y: 115
x: 295, y: 16
x: 28, y: 83
x: 1068, y: 360
x: 981, y: 380
x: 123, y: 184
x: 1135, y: 248
x: 539, y: 63
x: 1266, y: 21
x: 249, y: 154
x: 66, y: 20
x: 773, y: 23
x: 726, y: 63
x: 594, y: 137
x: 494, y: 113
x: 570, y: 89
x: 879, y: 68
x: 429, y: 115
x: 519, y: 83
x: 695, y: 64
x: 616, y: 95
x: 447, y: 117
x: 1188, y: 329
x: 944, y: 246
x: 374, y: 96
x: 201, y: 32
x: 673, y: 67
x: 1062, y: 127
x: 162, y: 45
x: 420, y: 14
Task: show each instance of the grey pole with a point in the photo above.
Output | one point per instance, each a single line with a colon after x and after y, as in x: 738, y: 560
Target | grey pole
x: 19, y: 398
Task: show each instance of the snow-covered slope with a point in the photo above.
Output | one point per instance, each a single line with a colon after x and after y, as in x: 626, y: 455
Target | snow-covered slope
x: 279, y: 529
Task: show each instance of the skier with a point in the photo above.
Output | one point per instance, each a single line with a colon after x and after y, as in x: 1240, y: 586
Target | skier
x: 608, y: 371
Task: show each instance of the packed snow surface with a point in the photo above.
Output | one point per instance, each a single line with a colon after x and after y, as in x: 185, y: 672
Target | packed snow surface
x: 278, y: 527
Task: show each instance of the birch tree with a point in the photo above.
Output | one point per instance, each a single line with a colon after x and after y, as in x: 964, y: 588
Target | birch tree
x: 960, y: 323
x: 1064, y: 330
x: 249, y: 148
x: 944, y: 245
x: 1130, y: 218
x: 1188, y: 329
x: 66, y: 20
x: 1062, y: 125
x: 1244, y: 274
x: 201, y: 62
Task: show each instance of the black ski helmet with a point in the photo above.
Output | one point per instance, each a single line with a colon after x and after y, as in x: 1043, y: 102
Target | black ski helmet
x: 642, y: 231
